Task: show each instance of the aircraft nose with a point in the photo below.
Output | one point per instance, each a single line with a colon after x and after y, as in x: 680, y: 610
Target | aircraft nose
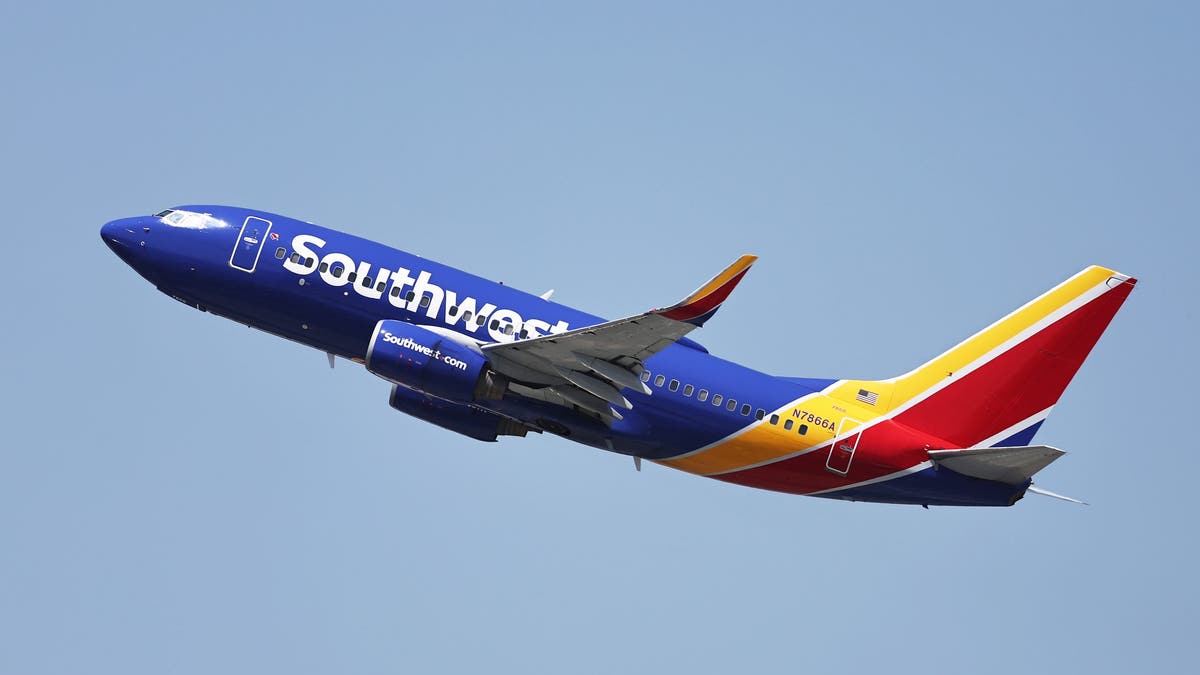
x: 114, y: 233
x: 122, y: 236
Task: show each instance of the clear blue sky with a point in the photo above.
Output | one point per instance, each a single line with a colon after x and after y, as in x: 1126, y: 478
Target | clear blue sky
x: 179, y: 494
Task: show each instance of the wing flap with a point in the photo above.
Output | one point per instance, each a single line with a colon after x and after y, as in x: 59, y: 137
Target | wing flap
x: 612, y: 351
x: 618, y: 375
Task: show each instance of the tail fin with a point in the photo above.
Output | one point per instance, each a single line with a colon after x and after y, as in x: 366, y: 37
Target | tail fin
x: 996, y: 387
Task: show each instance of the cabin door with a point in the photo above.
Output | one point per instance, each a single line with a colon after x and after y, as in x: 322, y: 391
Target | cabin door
x: 841, y: 453
x: 249, y: 244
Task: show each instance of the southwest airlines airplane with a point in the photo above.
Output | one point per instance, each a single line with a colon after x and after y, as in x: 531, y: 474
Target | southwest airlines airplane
x: 486, y: 360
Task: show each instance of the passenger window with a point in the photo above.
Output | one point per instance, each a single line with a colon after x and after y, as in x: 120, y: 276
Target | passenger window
x: 731, y: 404
x: 508, y: 329
x: 494, y: 325
x: 659, y: 379
x: 645, y: 376
x: 337, y: 269
x: 409, y: 296
x: 295, y: 257
x: 688, y: 389
x: 309, y: 261
x: 324, y: 267
x: 380, y: 286
x: 395, y: 291
x: 787, y: 424
x: 717, y: 398
x: 523, y: 334
x: 352, y: 276
x: 366, y: 282
x: 425, y: 300
x: 466, y: 317
x: 760, y: 414
x: 453, y: 310
x: 674, y: 385
x: 803, y: 429
x: 280, y: 253
x: 774, y: 419
x: 703, y: 395
x: 745, y: 409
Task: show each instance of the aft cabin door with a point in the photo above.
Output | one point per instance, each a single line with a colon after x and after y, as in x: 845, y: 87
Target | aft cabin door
x: 841, y: 454
x: 249, y: 244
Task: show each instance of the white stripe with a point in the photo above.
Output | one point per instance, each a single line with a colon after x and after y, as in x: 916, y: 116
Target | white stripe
x: 1084, y: 298
x: 1002, y: 320
x: 904, y: 472
x: 1014, y: 429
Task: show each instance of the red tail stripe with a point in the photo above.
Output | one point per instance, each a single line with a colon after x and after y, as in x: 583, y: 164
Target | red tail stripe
x: 1018, y: 383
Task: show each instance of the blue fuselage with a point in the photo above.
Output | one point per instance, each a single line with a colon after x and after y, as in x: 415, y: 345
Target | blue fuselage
x: 280, y: 278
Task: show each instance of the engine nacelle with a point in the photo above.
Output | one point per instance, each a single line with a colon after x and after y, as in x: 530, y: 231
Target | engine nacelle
x: 463, y: 419
x: 431, y: 363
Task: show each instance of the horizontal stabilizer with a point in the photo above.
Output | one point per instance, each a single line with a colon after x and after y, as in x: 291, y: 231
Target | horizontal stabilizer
x: 1005, y: 465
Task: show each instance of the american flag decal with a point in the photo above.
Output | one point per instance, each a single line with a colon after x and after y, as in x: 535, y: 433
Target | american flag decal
x: 868, y: 397
x: 274, y: 236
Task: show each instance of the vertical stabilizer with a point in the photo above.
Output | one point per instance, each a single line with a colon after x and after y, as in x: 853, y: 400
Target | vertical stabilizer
x: 997, y: 386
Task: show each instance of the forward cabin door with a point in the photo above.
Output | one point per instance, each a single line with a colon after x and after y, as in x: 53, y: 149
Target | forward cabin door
x: 249, y: 244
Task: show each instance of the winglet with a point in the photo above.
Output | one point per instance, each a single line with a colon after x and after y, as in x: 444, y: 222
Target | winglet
x: 706, y: 300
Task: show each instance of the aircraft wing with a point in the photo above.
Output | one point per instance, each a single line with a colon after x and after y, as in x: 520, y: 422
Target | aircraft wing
x: 588, y: 367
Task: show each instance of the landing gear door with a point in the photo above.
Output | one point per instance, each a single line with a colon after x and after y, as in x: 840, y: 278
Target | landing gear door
x: 841, y: 453
x: 249, y: 244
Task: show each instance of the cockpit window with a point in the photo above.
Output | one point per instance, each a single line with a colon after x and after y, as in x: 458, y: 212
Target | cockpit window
x: 190, y: 220
x: 160, y: 214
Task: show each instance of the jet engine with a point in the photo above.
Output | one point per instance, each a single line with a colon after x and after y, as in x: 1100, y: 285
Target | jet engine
x: 463, y: 419
x: 431, y: 363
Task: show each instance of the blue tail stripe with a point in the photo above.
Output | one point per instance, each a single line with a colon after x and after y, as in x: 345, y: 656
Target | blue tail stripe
x: 1022, y: 437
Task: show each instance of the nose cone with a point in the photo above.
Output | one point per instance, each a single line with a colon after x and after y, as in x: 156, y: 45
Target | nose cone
x: 110, y: 233
x: 122, y: 236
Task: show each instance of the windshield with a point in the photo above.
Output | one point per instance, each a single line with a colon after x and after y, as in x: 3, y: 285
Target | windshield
x: 190, y: 220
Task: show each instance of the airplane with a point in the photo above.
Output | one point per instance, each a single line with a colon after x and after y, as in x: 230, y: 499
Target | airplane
x: 486, y: 360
